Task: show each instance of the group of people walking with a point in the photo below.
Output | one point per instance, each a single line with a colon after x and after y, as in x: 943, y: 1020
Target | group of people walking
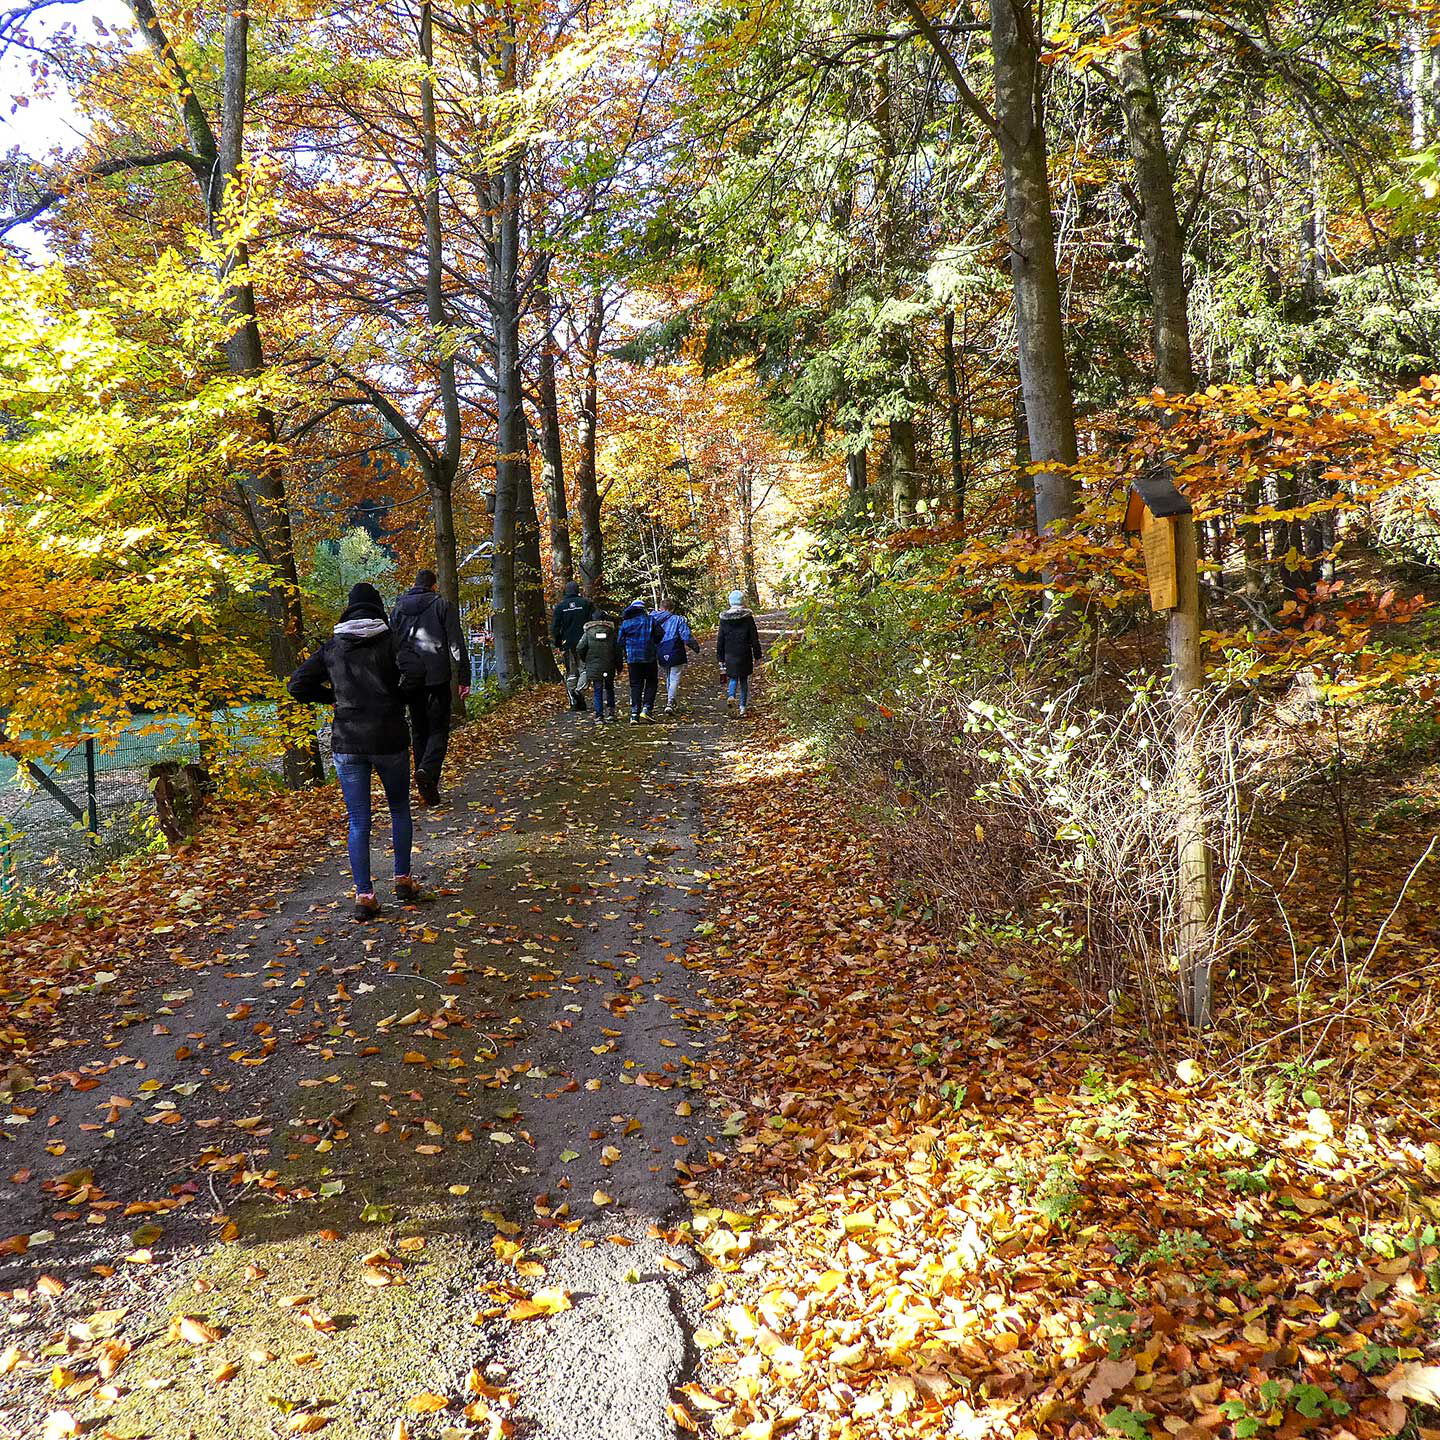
x: 654, y: 645
x: 392, y: 680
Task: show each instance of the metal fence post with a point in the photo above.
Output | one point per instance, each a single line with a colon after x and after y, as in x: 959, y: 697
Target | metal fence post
x: 92, y: 798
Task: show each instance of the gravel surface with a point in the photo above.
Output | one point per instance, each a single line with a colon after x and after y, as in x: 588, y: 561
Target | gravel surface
x: 326, y: 1140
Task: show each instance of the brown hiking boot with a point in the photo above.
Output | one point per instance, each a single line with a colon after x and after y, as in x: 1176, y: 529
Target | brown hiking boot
x: 409, y: 891
x: 367, y: 907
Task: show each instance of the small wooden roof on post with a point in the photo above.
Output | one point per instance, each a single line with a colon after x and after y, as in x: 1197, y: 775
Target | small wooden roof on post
x: 1154, y: 490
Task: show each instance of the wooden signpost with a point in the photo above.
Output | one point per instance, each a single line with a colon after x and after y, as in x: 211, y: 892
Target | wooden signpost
x: 1165, y: 522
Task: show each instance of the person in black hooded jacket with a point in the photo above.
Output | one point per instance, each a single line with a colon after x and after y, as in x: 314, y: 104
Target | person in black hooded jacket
x: 362, y: 672
x: 425, y: 621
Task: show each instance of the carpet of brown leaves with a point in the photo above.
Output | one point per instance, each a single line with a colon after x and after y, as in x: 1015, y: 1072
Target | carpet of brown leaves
x: 962, y: 1202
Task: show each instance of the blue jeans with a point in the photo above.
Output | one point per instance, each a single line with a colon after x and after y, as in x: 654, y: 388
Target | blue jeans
x: 394, y: 772
x: 604, y: 695
x: 740, y: 689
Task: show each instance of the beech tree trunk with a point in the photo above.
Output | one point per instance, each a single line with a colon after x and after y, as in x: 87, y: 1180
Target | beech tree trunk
x: 439, y: 476
x: 857, y: 473
x: 552, y: 456
x: 959, y: 478
x: 530, y: 611
x: 748, y: 576
x: 1044, y: 370
x: 587, y: 492
x: 1159, y: 222
x: 904, y: 476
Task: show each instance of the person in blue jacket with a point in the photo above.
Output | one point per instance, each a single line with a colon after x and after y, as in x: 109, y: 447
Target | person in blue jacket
x: 639, y: 643
x: 675, y: 638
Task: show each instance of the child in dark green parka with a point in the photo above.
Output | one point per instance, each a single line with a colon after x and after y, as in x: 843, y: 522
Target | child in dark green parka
x: 599, y: 652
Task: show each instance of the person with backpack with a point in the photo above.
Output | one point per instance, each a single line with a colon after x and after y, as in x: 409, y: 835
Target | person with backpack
x: 737, y: 648
x: 675, y: 638
x: 639, y: 637
x: 427, y: 623
x: 566, y: 624
x: 599, y: 653
x: 368, y: 678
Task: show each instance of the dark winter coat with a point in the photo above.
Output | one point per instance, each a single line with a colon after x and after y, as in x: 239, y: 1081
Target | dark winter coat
x: 639, y: 635
x: 675, y: 638
x: 737, y: 643
x: 599, y: 649
x: 363, y: 673
x: 427, y: 622
x: 569, y: 620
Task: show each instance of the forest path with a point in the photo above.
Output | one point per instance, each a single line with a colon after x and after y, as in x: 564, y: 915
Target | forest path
x: 351, y: 1152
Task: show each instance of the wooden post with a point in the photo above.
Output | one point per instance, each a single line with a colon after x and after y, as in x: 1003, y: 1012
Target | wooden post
x: 1187, y: 688
x: 1162, y: 517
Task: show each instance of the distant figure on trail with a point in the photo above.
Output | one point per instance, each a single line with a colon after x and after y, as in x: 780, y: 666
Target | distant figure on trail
x: 737, y: 648
x: 566, y: 625
x: 674, y: 639
x: 367, y: 676
x: 639, y: 644
x: 599, y: 652
x: 425, y: 621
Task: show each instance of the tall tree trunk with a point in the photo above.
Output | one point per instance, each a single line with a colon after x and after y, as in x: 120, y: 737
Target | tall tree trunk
x: 959, y: 479
x: 904, y: 474
x: 439, y: 477
x: 552, y: 454
x: 1044, y: 370
x: 263, y: 491
x: 264, y: 487
x: 857, y: 473
x: 505, y: 533
x: 587, y: 492
x: 1159, y: 222
x: 530, y: 618
x: 1315, y: 265
x: 749, y: 579
x: 503, y: 252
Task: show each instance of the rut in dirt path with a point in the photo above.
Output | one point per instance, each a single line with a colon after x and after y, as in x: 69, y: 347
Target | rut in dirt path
x: 400, y: 1130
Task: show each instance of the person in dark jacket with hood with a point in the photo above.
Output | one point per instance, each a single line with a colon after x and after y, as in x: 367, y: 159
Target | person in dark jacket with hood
x: 566, y: 625
x: 639, y: 644
x: 599, y: 652
x: 675, y: 639
x: 737, y: 648
x: 363, y: 673
x: 425, y: 621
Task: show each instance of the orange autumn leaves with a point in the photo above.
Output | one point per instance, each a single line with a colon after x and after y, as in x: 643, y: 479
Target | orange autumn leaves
x: 956, y: 1211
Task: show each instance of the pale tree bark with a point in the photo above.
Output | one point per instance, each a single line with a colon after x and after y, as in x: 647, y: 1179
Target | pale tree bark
x: 530, y: 616
x: 587, y: 490
x: 1159, y: 221
x: 1044, y: 369
x: 904, y: 480
x: 552, y: 452
x: 959, y: 476
x: 857, y: 476
x: 502, y: 223
x: 745, y: 494
x: 904, y: 476
x: 439, y: 476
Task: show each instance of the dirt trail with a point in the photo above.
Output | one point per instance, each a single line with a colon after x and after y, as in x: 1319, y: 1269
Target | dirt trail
x: 352, y: 1150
